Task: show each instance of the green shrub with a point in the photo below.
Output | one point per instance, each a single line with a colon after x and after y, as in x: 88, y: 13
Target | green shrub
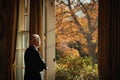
x: 76, y: 68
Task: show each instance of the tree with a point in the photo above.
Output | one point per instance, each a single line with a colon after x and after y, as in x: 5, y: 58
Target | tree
x: 77, y: 23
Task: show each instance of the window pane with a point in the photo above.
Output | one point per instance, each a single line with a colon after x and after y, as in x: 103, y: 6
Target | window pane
x: 19, y: 73
x: 26, y: 23
x: 22, y: 40
x: 19, y: 41
x: 20, y: 64
x: 26, y: 6
x: 18, y: 57
x: 25, y: 40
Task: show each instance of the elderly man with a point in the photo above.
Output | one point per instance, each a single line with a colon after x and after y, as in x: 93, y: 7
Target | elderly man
x: 33, y: 62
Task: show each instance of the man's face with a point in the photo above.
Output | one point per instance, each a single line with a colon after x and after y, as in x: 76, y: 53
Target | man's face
x: 38, y: 42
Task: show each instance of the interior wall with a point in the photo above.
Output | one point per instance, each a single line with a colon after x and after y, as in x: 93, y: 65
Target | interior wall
x: 4, y: 12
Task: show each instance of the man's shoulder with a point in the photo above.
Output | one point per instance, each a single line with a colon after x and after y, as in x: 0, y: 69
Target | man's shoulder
x: 31, y: 49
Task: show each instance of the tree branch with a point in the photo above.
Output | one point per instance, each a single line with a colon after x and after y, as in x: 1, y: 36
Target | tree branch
x: 74, y: 17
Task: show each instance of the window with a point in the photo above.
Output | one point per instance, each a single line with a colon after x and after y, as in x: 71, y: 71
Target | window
x: 22, y: 38
x: 76, y: 39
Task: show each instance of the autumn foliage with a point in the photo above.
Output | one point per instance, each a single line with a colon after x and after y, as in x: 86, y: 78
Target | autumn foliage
x: 76, y: 28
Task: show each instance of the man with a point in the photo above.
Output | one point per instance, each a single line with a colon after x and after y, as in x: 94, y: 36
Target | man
x: 33, y: 62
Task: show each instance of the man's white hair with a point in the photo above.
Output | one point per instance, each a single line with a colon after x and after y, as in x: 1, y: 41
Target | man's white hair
x: 34, y: 38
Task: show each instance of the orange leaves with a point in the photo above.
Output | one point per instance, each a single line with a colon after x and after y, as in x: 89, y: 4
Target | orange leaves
x: 78, y: 23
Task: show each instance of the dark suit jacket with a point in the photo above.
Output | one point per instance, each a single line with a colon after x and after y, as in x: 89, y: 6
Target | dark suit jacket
x: 33, y: 64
